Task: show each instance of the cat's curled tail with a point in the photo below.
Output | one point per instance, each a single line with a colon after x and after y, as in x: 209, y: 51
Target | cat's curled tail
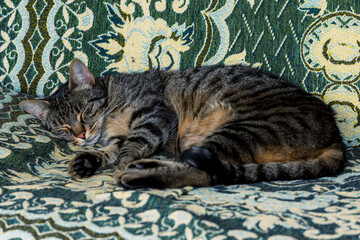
x: 328, y: 162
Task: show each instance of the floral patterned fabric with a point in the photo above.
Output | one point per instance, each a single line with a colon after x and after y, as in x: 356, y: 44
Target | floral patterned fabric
x: 314, y: 44
x: 38, y: 200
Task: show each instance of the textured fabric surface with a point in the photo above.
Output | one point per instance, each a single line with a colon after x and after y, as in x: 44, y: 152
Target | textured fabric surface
x: 38, y: 200
x: 313, y: 43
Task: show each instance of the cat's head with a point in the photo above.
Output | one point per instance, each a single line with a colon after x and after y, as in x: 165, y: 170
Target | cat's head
x: 74, y: 112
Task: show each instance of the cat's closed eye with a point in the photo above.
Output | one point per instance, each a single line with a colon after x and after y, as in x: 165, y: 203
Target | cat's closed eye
x: 63, y: 131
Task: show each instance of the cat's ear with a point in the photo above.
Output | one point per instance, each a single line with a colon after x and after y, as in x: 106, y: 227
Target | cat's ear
x: 80, y: 76
x: 38, y: 108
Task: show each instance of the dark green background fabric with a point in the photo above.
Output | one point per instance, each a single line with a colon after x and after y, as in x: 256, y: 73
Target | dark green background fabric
x: 314, y: 44
x: 311, y: 43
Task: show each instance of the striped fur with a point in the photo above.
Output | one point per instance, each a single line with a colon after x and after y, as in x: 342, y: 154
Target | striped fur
x: 229, y: 125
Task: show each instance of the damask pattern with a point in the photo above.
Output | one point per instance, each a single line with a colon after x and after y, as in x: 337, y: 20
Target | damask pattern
x: 331, y: 46
x: 36, y: 37
x: 142, y: 43
x: 38, y: 200
x: 312, y: 43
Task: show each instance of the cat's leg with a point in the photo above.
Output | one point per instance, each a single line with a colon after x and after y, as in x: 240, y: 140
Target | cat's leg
x: 150, y: 130
x: 136, y: 147
x: 153, y: 173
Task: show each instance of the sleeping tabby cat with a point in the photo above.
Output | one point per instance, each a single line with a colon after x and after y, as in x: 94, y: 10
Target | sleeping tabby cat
x: 229, y: 124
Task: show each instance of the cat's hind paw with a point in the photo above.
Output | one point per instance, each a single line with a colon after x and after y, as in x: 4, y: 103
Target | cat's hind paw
x: 84, y: 165
x: 141, y: 174
x: 200, y: 158
x: 151, y: 173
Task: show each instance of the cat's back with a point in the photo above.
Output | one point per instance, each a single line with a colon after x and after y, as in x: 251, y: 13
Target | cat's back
x: 216, y: 81
x: 211, y: 97
x: 217, y: 77
x: 237, y: 85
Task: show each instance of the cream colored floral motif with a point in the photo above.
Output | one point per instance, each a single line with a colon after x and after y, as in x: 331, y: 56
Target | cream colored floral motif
x: 251, y: 2
x: 5, y: 43
x: 142, y: 43
x: 160, y: 5
x: 314, y: 8
x: 180, y: 6
x: 239, y: 58
x: 332, y: 45
x: 345, y: 101
x: 4, y: 152
x: 128, y: 7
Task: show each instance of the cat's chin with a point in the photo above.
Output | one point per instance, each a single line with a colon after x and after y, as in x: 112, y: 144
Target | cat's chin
x: 87, y: 141
x: 80, y: 142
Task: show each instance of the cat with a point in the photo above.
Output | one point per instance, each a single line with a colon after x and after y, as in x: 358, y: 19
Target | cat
x: 228, y: 124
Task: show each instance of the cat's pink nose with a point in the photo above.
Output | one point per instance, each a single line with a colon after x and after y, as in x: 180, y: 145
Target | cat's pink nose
x: 81, y: 135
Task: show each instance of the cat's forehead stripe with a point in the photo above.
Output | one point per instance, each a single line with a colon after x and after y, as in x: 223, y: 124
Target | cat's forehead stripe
x: 66, y: 127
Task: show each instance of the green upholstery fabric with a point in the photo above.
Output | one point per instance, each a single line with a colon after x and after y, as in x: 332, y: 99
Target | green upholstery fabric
x: 38, y: 200
x: 313, y: 43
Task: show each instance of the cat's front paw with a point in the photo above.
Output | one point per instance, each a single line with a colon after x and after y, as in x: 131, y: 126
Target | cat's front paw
x: 84, y: 165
